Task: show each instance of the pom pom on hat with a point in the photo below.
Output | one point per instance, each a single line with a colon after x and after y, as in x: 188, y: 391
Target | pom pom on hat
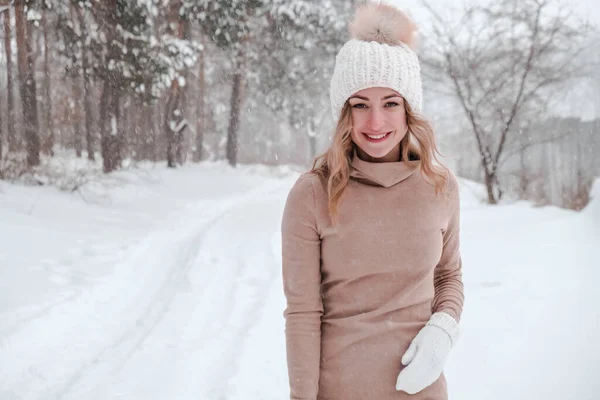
x: 383, y: 23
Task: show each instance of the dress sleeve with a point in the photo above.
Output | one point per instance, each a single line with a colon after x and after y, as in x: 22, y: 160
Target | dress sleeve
x: 449, y: 289
x: 301, y: 272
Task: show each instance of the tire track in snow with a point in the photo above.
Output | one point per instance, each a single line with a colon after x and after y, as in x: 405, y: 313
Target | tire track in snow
x: 255, y: 269
x: 12, y: 324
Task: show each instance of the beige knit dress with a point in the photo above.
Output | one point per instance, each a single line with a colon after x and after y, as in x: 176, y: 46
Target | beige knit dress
x: 357, y: 294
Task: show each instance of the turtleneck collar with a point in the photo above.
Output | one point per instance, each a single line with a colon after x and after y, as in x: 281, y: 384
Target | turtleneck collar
x: 384, y: 174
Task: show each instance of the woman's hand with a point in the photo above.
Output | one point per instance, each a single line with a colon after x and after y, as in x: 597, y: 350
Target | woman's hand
x: 427, y: 353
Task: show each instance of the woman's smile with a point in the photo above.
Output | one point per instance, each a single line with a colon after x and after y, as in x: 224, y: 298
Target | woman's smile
x: 375, y: 138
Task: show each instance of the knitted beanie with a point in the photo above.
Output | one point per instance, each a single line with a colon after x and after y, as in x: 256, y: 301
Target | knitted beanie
x: 379, y: 54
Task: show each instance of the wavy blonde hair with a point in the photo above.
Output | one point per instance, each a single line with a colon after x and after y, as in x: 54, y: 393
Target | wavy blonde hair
x: 333, y: 166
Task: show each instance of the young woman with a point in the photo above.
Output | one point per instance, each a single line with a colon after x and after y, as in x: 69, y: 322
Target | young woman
x: 370, y: 236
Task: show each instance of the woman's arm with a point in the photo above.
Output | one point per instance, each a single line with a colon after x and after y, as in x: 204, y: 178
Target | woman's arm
x: 449, y: 290
x: 425, y: 357
x: 301, y: 256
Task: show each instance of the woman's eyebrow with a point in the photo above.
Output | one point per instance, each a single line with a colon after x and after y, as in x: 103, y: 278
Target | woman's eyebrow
x: 389, y: 96
x: 359, y: 97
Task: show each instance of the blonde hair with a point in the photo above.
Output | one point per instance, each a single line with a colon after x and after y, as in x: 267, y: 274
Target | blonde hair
x: 333, y: 166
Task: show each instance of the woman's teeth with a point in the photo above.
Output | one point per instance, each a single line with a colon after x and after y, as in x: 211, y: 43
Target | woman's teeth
x: 377, y: 137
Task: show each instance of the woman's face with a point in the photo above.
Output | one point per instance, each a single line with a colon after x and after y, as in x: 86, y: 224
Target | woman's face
x: 378, y: 123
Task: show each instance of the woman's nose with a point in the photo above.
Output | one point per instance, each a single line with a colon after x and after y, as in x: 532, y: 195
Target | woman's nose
x: 375, y: 120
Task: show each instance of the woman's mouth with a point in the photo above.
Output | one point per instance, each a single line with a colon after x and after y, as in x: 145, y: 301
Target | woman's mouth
x: 377, y: 138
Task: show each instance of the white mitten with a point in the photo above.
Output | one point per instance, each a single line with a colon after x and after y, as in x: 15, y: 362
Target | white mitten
x: 427, y: 353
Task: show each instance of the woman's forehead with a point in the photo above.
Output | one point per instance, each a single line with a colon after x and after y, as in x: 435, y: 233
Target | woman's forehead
x: 376, y: 93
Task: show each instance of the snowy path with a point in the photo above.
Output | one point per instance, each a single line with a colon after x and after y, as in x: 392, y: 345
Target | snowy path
x: 178, y: 307
x: 182, y: 318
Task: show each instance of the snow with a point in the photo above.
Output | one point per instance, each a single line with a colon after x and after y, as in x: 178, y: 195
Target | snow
x: 113, y: 125
x: 34, y: 15
x: 177, y: 128
x: 168, y: 285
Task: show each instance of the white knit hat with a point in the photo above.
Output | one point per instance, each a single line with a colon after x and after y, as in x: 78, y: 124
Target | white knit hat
x: 378, y: 55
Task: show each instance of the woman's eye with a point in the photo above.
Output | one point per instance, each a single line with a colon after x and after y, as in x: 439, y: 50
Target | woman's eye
x: 392, y: 104
x: 359, y: 105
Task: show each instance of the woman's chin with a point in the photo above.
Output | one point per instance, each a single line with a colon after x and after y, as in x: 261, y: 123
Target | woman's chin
x: 376, y: 151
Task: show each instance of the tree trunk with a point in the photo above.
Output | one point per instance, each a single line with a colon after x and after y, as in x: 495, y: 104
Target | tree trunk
x: 128, y: 133
x: 87, y: 106
x: 174, y: 121
x: 27, y: 86
x: 111, y: 92
x: 147, y: 140
x: 489, y: 185
x: 114, y: 138
x: 235, y: 111
x: 76, y: 90
x: 184, y: 32
x: 11, y: 128
x: 1, y: 142
x: 158, y: 149
x: 87, y: 101
x: 109, y: 123
x: 527, y: 176
x: 78, y: 138
x: 200, y: 112
x: 48, y: 146
x: 179, y: 145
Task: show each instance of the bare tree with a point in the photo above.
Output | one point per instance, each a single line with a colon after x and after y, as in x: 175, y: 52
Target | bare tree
x: 237, y: 97
x: 111, y: 143
x: 200, y: 107
x: 175, y: 122
x: 1, y: 140
x: 2, y: 9
x: 76, y: 83
x: 85, y: 74
x: 27, y: 85
x: 10, y: 99
x: 48, y: 141
x: 500, y: 61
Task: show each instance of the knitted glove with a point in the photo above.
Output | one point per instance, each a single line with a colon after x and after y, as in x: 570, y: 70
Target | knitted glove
x: 427, y: 353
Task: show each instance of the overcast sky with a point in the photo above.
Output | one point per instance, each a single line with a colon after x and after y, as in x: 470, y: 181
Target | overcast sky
x: 587, y: 9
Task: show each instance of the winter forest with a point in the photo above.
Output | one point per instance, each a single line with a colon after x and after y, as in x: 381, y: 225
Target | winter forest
x: 147, y: 148
x: 185, y: 81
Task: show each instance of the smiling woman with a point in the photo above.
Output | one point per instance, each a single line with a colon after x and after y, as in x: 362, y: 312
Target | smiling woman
x: 372, y: 270
x: 378, y: 123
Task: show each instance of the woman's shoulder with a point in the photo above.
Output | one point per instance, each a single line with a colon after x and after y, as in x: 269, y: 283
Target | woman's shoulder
x: 306, y: 201
x: 448, y: 186
x: 451, y: 182
x: 308, y: 187
x: 452, y: 192
x: 442, y: 192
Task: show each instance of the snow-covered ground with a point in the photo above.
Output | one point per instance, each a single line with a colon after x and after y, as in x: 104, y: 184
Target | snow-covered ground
x: 167, y: 285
